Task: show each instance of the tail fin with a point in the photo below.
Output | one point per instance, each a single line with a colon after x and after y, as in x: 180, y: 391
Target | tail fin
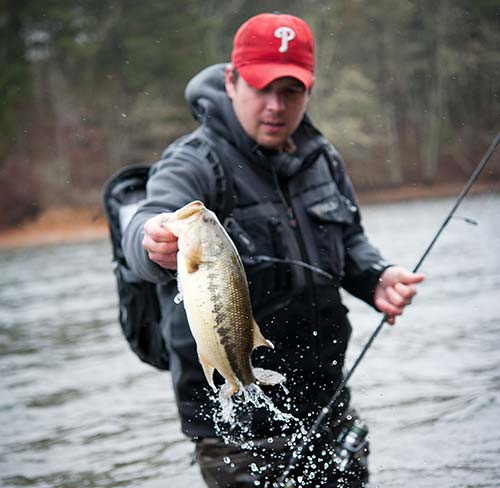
x: 268, y: 376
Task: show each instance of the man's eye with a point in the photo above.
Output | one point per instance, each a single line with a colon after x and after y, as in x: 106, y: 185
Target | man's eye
x: 295, y: 90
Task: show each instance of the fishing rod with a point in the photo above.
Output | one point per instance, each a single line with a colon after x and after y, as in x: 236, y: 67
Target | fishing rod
x: 325, y: 412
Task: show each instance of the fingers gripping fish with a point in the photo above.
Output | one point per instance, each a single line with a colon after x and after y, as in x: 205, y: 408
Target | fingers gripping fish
x: 215, y: 294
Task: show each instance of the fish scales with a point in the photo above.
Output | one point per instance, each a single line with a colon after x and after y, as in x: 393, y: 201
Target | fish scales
x: 232, y: 316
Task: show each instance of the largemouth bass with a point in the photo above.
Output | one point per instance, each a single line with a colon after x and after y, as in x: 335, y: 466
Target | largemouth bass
x: 215, y: 294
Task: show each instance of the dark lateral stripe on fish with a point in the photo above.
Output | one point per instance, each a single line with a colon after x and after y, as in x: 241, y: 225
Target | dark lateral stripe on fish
x: 226, y: 335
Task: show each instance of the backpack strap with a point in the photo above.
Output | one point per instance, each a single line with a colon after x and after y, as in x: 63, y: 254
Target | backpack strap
x: 226, y: 178
x: 205, y: 144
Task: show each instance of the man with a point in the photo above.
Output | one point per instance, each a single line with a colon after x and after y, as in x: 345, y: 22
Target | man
x: 290, y: 200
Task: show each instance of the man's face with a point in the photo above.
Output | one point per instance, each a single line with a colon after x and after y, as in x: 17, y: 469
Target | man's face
x: 269, y: 116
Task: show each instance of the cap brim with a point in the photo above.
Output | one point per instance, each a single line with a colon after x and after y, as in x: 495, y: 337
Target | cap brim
x: 259, y: 75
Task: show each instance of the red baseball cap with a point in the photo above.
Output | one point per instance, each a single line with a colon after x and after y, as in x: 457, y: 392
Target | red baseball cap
x: 270, y: 46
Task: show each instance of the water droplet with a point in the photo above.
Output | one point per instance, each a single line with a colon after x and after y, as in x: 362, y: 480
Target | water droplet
x: 227, y: 459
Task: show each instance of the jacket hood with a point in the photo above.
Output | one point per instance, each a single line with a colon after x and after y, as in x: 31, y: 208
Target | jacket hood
x: 210, y: 105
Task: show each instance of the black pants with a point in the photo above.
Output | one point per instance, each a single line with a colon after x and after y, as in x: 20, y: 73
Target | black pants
x: 262, y: 461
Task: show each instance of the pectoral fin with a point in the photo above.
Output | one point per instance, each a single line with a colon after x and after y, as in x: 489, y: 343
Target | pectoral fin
x: 192, y: 256
x: 259, y: 339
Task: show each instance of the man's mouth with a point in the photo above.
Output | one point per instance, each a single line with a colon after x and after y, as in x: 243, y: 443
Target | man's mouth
x: 273, y: 124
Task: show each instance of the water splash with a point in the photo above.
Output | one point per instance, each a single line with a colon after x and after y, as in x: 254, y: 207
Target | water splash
x: 233, y: 416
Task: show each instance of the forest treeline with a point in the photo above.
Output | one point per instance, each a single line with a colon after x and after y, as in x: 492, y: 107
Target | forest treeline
x: 408, y: 90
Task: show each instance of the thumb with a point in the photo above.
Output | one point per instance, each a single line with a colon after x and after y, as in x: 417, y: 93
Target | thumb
x: 409, y: 278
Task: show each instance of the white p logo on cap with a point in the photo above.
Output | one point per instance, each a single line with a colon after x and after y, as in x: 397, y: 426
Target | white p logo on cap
x: 286, y: 35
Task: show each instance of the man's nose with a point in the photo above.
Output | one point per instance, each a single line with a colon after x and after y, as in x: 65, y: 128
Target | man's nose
x: 275, y: 101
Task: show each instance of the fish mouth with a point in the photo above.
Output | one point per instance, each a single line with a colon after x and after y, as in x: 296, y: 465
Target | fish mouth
x: 190, y: 209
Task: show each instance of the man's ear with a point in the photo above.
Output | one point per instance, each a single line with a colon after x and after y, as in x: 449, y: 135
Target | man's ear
x: 230, y: 81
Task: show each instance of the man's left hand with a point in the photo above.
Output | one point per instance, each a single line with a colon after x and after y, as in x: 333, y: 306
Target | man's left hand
x: 395, y: 290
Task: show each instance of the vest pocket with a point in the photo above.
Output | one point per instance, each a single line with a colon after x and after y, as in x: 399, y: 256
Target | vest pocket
x: 329, y: 214
x: 272, y: 284
x: 329, y: 205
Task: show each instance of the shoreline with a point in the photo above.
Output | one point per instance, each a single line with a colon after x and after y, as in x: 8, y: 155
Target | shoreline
x: 66, y: 225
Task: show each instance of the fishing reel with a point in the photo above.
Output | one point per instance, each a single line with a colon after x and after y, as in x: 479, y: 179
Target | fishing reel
x: 351, y: 444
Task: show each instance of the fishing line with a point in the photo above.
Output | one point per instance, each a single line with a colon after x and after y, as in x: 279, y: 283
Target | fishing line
x: 295, y: 262
x: 326, y: 410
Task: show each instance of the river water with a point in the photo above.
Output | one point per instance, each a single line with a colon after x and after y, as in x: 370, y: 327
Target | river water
x: 78, y: 409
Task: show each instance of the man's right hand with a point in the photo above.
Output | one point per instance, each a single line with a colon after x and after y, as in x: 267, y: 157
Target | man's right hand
x: 160, y: 244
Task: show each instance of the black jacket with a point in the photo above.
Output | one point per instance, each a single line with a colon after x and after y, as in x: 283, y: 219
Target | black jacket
x: 298, y: 207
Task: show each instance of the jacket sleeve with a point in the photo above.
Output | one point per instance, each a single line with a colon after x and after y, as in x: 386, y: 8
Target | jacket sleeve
x: 180, y: 177
x: 363, y: 263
